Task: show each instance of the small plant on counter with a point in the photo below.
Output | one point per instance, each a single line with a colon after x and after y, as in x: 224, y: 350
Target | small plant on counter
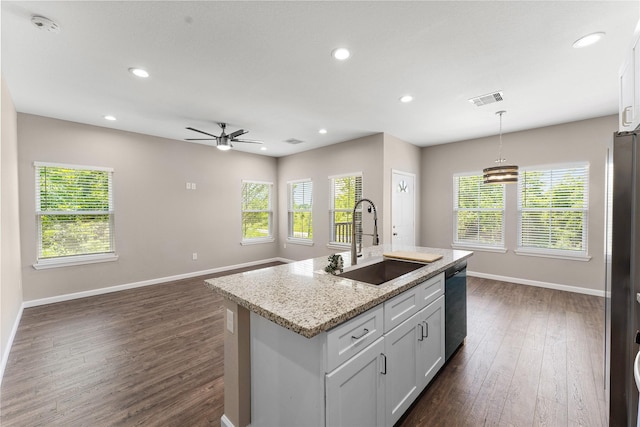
x: 336, y: 264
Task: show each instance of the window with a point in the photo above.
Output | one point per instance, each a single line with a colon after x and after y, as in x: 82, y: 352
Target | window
x: 300, y: 203
x: 479, y: 212
x: 74, y: 211
x: 345, y: 190
x: 553, y: 207
x: 257, y: 214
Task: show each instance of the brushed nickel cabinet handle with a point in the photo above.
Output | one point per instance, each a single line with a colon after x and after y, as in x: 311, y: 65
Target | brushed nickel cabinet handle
x: 421, y: 332
x: 427, y: 327
x: 384, y: 365
x: 365, y: 332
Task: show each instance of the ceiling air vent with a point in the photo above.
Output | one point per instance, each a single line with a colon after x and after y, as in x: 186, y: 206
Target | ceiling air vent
x: 489, y: 98
x: 293, y: 141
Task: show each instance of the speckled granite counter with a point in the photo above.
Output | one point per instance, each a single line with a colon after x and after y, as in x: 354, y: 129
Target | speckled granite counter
x: 301, y: 297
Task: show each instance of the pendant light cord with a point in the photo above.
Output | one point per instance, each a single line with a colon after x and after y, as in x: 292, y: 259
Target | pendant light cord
x: 500, y: 160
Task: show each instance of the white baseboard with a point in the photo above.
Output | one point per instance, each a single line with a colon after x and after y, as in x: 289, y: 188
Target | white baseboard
x: 224, y: 421
x: 557, y: 286
x: 14, y: 330
x: 116, y: 288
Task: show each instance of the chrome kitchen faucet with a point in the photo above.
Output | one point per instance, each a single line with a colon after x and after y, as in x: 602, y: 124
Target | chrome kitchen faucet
x: 376, y: 240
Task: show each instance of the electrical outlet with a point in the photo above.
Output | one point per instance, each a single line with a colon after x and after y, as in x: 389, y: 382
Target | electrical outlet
x: 188, y: 186
x: 229, y: 320
x: 194, y: 256
x: 285, y: 246
x: 193, y: 185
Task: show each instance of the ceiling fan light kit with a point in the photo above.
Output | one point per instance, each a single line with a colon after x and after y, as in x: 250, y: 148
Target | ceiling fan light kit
x: 501, y: 174
x: 223, y: 141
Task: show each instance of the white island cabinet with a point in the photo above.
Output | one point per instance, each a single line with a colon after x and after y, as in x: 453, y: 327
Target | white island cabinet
x: 364, y: 372
x: 307, y: 348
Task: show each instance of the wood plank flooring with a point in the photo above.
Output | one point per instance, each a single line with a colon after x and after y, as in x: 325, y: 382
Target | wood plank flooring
x: 532, y: 357
x: 153, y: 356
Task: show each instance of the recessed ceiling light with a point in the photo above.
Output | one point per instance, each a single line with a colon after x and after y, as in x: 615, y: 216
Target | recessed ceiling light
x: 341, y: 53
x: 588, y: 40
x: 322, y: 131
x: 263, y: 148
x: 110, y: 118
x: 139, y: 72
x: 406, y: 98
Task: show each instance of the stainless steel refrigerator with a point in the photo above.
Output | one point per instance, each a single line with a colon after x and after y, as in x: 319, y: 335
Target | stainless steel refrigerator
x: 622, y: 310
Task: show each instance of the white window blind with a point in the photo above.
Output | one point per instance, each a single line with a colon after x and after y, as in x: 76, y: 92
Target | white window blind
x: 345, y: 190
x: 256, y: 210
x: 478, y: 211
x: 74, y: 210
x: 553, y: 207
x: 300, y: 205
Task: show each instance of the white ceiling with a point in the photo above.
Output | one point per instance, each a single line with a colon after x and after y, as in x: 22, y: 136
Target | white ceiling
x: 266, y: 66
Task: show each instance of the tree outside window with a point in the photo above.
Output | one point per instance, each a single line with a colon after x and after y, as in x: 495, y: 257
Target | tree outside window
x: 74, y: 210
x: 256, y: 210
x: 478, y: 211
x: 300, y: 207
x: 553, y: 208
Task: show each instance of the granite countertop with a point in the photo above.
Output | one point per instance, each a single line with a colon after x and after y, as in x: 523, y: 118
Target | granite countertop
x: 301, y: 297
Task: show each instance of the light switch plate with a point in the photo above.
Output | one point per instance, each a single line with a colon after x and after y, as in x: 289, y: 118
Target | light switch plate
x: 638, y: 297
x: 229, y: 320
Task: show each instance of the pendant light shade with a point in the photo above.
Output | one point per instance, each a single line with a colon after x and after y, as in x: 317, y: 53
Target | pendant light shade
x: 501, y: 174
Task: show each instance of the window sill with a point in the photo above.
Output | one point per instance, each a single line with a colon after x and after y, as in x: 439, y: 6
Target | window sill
x: 302, y: 242
x: 469, y: 247
x: 551, y: 254
x: 74, y: 260
x: 339, y: 246
x: 257, y: 241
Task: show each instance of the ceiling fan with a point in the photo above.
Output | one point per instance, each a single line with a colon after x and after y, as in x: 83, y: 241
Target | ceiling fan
x: 223, y: 141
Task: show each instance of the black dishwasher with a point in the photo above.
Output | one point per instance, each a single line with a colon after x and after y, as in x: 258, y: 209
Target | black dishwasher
x: 455, y: 307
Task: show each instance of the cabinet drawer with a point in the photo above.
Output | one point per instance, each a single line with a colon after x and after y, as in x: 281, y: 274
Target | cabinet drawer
x: 431, y: 290
x: 345, y: 340
x: 401, y: 307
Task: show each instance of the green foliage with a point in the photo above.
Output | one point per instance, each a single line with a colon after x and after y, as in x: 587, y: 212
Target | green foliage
x: 74, y: 212
x: 300, y: 218
x: 554, y: 209
x: 480, y: 211
x: 256, y: 210
x: 347, y: 191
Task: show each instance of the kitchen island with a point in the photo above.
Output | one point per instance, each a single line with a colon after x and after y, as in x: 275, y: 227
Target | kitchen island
x: 296, y: 337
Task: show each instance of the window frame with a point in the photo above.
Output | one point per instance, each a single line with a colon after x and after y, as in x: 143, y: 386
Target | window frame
x: 291, y: 213
x: 332, y: 241
x: 263, y: 239
x: 568, y: 254
x: 79, y: 259
x: 477, y: 245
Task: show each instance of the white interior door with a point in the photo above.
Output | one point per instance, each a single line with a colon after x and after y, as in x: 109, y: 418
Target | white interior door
x: 403, y: 214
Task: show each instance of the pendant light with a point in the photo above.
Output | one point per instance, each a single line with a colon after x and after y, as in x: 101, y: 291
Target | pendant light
x: 501, y: 174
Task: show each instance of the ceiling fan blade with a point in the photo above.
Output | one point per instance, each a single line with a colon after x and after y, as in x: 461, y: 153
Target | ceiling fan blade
x: 196, y: 130
x: 237, y: 133
x: 248, y: 141
x: 200, y: 139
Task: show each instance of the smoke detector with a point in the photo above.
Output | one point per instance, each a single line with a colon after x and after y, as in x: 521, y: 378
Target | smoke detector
x: 45, y: 24
x: 293, y: 141
x: 489, y: 98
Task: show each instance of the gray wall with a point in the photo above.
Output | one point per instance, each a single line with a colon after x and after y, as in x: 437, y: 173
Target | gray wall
x: 403, y: 157
x: 359, y: 155
x: 578, y: 141
x: 158, y: 223
x: 10, y: 277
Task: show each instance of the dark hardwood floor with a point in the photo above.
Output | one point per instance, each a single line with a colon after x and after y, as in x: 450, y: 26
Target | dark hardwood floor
x: 153, y: 356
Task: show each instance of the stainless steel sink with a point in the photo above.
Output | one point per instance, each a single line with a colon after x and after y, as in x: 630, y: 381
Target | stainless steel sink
x: 381, y: 271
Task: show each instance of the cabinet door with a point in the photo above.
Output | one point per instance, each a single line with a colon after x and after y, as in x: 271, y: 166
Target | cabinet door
x: 627, y: 94
x: 431, y: 345
x: 355, y: 390
x: 403, y: 377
